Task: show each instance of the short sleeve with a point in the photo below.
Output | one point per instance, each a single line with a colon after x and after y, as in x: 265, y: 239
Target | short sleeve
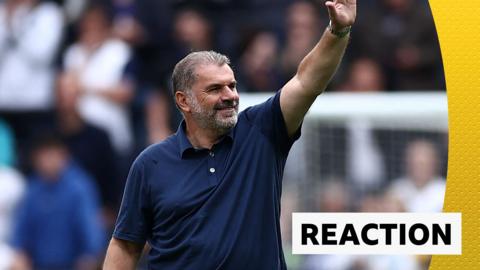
x: 268, y: 117
x: 133, y: 222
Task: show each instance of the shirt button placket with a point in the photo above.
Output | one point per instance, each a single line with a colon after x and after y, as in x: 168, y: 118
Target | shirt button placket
x: 212, y: 168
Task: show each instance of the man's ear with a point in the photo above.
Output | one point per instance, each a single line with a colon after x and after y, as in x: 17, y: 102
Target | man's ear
x: 182, y: 101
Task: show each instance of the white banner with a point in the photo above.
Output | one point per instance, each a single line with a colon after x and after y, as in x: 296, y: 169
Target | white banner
x: 377, y: 233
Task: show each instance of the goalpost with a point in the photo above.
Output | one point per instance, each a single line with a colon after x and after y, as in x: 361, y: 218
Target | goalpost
x: 428, y: 110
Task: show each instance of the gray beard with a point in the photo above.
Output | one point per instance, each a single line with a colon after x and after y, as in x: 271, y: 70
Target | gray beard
x: 211, y: 120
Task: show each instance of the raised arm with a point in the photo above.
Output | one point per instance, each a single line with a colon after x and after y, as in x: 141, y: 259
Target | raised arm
x: 318, y: 67
x: 122, y: 255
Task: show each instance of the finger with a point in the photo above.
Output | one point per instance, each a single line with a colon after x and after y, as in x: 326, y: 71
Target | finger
x: 332, y: 12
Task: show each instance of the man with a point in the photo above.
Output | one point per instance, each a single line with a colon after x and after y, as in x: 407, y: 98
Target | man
x: 208, y: 197
x: 421, y: 189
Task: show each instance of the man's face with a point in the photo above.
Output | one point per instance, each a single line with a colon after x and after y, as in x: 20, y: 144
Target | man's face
x: 214, y: 99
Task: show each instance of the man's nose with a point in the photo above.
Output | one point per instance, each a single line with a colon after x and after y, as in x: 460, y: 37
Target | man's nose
x: 229, y: 93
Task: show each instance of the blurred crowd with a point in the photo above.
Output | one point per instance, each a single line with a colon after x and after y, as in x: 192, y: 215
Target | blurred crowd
x: 85, y: 86
x: 419, y: 188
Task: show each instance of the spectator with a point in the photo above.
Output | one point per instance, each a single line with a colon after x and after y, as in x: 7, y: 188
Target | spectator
x: 30, y: 34
x: 193, y: 31
x: 89, y: 146
x: 365, y: 167
x: 333, y: 196
x: 364, y: 75
x: 97, y: 63
x: 421, y: 189
x: 303, y: 32
x: 58, y: 224
x: 152, y: 38
x: 150, y: 106
x: 258, y: 65
x: 125, y: 25
x: 405, y: 43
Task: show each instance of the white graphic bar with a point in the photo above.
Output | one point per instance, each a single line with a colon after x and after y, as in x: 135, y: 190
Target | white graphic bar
x: 377, y: 233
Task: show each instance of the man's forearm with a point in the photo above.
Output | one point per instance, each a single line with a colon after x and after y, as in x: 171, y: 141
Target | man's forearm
x: 122, y: 255
x: 313, y: 75
x: 318, y: 67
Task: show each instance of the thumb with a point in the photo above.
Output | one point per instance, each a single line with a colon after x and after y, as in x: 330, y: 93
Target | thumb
x: 332, y: 12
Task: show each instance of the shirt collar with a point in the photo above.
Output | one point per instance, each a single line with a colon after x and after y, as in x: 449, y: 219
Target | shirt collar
x: 186, y: 145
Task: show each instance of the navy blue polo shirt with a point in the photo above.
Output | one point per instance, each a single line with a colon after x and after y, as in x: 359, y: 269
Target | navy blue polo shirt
x: 211, y: 209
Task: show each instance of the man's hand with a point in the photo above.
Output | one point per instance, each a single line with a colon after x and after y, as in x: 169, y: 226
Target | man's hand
x: 342, y: 13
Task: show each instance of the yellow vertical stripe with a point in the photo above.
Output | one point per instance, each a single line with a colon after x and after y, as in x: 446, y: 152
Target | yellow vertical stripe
x: 458, y: 30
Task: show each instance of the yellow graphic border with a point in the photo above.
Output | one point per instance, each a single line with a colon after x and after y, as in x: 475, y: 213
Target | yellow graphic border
x: 459, y: 35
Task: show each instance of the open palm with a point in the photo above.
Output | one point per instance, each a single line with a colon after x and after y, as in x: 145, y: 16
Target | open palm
x: 342, y: 12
